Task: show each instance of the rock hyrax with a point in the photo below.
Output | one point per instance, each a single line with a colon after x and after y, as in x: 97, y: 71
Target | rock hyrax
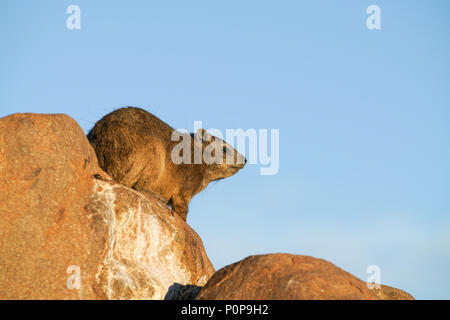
x: 135, y: 148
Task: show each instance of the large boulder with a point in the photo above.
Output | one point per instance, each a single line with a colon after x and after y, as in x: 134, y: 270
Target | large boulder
x: 285, y: 277
x: 68, y: 231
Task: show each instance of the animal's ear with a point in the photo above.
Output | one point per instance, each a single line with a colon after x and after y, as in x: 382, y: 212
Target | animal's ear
x: 198, y: 136
x: 202, y: 135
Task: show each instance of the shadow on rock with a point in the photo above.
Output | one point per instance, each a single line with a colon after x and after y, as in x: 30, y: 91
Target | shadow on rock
x: 179, y: 291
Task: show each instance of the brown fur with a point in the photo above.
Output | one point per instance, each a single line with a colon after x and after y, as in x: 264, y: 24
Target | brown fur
x: 134, y: 147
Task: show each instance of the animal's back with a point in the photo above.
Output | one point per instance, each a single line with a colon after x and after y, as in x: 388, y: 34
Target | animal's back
x: 127, y: 141
x: 135, y: 148
x: 134, y: 120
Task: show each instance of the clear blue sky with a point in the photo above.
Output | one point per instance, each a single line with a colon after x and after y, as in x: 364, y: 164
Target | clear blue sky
x: 363, y: 115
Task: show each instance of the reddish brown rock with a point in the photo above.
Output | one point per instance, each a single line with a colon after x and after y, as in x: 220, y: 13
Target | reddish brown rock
x: 62, y: 215
x: 389, y: 293
x: 285, y: 277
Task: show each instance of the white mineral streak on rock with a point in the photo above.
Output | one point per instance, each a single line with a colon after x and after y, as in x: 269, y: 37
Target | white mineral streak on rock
x: 202, y: 280
x: 141, y: 261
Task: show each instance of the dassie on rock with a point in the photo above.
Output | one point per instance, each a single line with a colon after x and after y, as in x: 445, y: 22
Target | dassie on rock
x: 137, y: 150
